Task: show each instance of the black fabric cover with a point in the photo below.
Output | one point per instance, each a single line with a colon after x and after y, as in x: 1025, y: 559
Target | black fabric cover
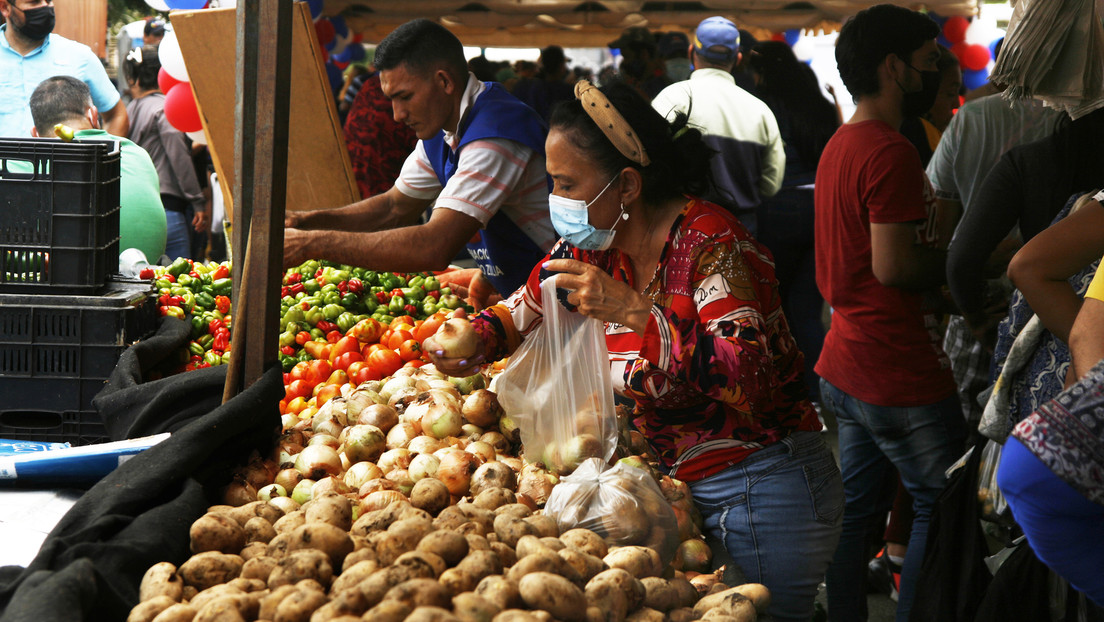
x: 90, y: 565
x: 954, y: 577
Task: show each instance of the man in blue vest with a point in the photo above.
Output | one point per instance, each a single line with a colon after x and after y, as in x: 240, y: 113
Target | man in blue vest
x: 479, y: 161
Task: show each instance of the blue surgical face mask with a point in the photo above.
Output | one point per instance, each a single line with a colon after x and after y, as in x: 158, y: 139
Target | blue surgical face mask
x: 572, y: 221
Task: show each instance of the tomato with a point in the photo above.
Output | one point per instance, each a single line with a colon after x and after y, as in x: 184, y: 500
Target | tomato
x: 429, y: 326
x: 338, y: 377
x: 385, y: 336
x: 299, y: 371
x: 297, y: 389
x: 410, y: 350
x: 367, y: 331
x: 334, y: 336
x: 328, y: 392
x: 318, y: 371
x: 343, y: 361
x: 402, y: 319
x: 283, y: 407
x: 414, y: 363
x: 302, y: 337
x: 296, y: 405
x: 344, y: 345
x: 368, y: 349
x: 385, y: 361
x: 398, y: 336
x: 364, y: 373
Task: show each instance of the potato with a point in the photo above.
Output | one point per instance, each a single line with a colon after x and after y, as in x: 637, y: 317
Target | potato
x: 332, y: 508
x: 471, y: 607
x: 517, y: 510
x: 448, y: 545
x: 492, y: 498
x: 209, y: 568
x: 471, y: 528
x: 161, y: 580
x: 225, y: 609
x: 586, y: 565
x: 480, y: 564
x: 742, y: 611
x: 189, y: 593
x: 254, y: 549
x: 263, y: 509
x: 554, y: 594
x: 756, y: 593
x: 325, y: 537
x: 506, y: 554
x: 270, y: 601
x: 586, y: 541
x: 611, y: 601
x: 257, y: 529
x: 212, y: 593
x: 420, y: 593
x: 544, y: 562
x: 645, y: 614
x: 388, y: 611
x: 450, y: 518
x: 277, y: 547
x: 500, y: 591
x: 639, y: 561
x: 660, y: 595
x: 299, y: 565
x: 682, y: 614
x: 147, y: 609
x: 510, y: 529
x: 289, y: 522
x: 299, y: 605
x: 553, y: 543
x: 380, y: 519
x: 431, y: 614
x: 484, y: 517
x: 546, y: 525
x: 177, y: 613
x: 629, y: 585
x: 353, y: 575
x: 421, y: 564
x: 216, y: 532
x: 350, y: 602
x: 476, y: 542
x: 430, y: 494
x: 688, y: 595
x: 516, y: 615
x: 527, y: 545
x: 259, y: 568
x: 248, y: 585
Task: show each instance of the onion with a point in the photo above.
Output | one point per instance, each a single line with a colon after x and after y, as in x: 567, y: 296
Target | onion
x: 362, y: 442
x: 484, y: 451
x: 440, y: 420
x: 426, y: 444
x: 496, y: 440
x: 329, y: 484
x: 481, y: 407
x: 444, y: 451
x: 336, y: 409
x: 361, y: 472
x: 357, y: 401
x: 398, y: 458
x: 382, y: 416
x: 286, y: 504
x: 302, y: 491
x: 401, y: 435
x: 429, y: 370
x: 493, y: 475
x: 456, y: 471
x: 288, y: 421
x: 288, y: 478
x: 471, y: 431
x: 374, y: 485
x: 578, y: 449
x: 536, y: 483
x: 379, y: 500
x: 395, y: 384
x: 328, y: 440
x: 286, y: 459
x: 470, y: 383
x: 402, y: 479
x: 401, y: 398
x: 424, y: 465
x: 512, y: 462
x: 239, y: 492
x: 457, y: 338
x: 509, y: 429
x: 318, y: 461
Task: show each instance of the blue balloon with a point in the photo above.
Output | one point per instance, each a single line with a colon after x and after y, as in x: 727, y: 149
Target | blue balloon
x: 344, y: 56
x: 356, y: 52
x: 792, y: 35
x: 315, y: 8
x: 941, y: 40
x: 973, y: 79
x: 186, y: 5
x: 337, y: 78
x: 993, y: 47
x: 341, y: 29
x: 937, y: 18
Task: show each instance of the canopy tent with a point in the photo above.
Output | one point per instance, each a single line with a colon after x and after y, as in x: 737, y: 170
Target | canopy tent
x: 594, y: 23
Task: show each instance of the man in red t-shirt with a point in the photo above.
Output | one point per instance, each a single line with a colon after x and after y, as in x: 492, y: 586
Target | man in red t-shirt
x: 883, y: 373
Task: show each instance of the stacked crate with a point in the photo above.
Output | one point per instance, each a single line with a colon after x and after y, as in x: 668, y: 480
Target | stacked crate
x: 64, y: 319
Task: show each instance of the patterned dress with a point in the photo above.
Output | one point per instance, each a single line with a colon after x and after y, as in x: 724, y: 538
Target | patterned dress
x: 378, y: 145
x: 716, y: 375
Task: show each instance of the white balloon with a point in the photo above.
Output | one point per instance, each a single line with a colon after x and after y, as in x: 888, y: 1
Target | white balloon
x: 803, y: 49
x: 172, y: 59
x: 158, y: 5
x: 198, y: 138
x: 983, y: 31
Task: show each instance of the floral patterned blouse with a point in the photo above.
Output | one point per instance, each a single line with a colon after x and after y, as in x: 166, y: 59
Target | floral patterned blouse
x: 716, y: 375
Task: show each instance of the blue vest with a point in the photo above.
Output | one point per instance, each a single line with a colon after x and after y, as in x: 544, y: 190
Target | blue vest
x: 504, y: 252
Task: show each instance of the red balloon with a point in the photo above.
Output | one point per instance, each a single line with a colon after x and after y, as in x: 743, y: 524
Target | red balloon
x: 778, y: 36
x: 954, y: 29
x: 165, y: 82
x: 975, y: 57
x: 325, y: 31
x: 960, y: 50
x: 181, y: 110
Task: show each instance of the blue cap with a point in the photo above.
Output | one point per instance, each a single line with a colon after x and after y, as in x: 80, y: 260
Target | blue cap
x: 714, y: 33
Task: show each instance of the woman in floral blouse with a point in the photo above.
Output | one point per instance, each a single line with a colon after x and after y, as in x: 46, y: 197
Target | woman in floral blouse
x: 695, y: 331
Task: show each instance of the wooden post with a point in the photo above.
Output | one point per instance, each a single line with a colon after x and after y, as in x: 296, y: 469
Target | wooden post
x: 260, y: 165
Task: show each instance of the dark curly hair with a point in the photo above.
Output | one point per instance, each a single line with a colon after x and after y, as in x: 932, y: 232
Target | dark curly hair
x: 679, y: 158
x: 874, y: 33
x: 145, y: 72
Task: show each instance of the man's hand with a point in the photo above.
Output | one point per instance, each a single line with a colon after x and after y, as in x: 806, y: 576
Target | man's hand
x: 297, y: 247
x: 200, y: 221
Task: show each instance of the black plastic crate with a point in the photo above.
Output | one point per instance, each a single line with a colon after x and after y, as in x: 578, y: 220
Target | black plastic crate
x: 56, y: 352
x: 59, y: 215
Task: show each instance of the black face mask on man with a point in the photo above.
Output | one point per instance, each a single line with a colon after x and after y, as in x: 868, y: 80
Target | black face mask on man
x: 920, y: 102
x: 38, y: 23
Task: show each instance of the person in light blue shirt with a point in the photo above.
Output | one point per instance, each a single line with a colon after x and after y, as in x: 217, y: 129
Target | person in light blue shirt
x: 31, y: 53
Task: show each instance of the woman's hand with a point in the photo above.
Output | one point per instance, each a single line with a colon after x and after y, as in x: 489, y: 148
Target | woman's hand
x: 461, y: 367
x: 600, y: 296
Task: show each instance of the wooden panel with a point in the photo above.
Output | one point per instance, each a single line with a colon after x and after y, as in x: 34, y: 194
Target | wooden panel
x: 319, y: 173
x: 84, y: 21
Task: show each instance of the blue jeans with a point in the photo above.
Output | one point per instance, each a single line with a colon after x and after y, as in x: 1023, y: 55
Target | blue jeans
x: 922, y: 442
x: 778, y: 514
x: 1063, y: 527
x: 177, y: 243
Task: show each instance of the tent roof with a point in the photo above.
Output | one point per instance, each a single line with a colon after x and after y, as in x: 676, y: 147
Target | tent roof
x: 594, y: 23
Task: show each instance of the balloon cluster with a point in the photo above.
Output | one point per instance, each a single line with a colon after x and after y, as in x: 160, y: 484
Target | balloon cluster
x: 181, y: 110
x: 339, y: 46
x: 973, y: 42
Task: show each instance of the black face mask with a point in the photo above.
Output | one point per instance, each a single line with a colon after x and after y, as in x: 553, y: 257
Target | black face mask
x: 920, y: 102
x: 37, y: 23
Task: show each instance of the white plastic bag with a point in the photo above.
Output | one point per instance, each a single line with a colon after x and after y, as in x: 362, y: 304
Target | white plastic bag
x: 558, y: 391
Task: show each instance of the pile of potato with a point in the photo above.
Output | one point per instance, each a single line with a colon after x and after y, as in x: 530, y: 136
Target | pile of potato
x: 367, y: 541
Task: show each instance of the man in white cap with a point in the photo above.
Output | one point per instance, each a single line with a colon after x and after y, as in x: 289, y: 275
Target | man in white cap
x: 750, y: 160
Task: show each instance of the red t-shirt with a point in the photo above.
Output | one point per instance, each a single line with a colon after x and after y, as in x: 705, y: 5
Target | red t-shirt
x: 883, y: 346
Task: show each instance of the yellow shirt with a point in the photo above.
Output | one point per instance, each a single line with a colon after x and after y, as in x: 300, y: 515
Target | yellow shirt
x: 1096, y: 288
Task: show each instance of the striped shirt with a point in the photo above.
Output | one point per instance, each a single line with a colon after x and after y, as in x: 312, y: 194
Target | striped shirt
x: 491, y: 174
